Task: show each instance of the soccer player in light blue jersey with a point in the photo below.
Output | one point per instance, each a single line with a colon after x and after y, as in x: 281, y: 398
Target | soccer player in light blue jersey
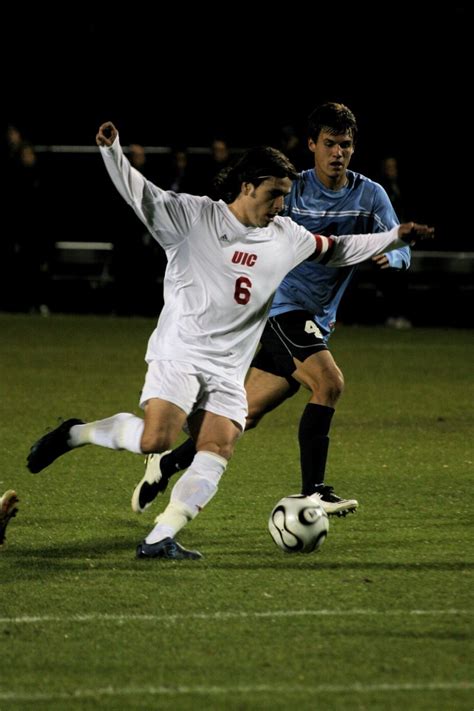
x: 326, y: 199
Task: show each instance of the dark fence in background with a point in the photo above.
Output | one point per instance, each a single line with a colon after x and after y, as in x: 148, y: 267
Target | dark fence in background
x: 96, y: 257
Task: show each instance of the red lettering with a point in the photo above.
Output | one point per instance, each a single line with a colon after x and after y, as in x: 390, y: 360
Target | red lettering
x: 244, y: 258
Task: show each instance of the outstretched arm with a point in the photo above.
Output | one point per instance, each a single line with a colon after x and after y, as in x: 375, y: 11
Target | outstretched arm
x: 347, y: 250
x: 130, y: 183
x: 168, y: 216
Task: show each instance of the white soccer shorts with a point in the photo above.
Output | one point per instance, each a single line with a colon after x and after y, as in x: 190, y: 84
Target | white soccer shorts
x: 192, y: 389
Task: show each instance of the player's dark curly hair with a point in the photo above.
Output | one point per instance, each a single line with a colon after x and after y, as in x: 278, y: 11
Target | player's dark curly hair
x: 334, y: 118
x: 253, y: 166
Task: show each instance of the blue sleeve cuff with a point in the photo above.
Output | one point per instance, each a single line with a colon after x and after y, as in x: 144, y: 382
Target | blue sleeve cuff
x: 399, y: 258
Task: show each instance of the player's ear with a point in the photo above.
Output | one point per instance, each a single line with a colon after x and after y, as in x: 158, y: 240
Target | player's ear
x: 311, y: 145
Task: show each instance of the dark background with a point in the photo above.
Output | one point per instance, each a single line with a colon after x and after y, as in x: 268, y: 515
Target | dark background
x: 174, y: 75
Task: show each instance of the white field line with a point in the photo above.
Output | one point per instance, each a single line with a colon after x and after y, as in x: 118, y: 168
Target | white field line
x: 98, y: 617
x: 270, y: 689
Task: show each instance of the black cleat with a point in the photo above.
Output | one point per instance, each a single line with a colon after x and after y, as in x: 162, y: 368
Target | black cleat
x: 50, y: 446
x: 8, y: 510
x: 167, y: 548
x: 332, y: 504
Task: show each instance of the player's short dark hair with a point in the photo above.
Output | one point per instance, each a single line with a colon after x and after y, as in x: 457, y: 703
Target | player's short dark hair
x: 254, y: 166
x: 334, y: 118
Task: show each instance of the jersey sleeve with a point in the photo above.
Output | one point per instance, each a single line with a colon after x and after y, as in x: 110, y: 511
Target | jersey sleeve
x: 347, y: 250
x: 303, y: 241
x: 168, y: 216
x: 385, y: 219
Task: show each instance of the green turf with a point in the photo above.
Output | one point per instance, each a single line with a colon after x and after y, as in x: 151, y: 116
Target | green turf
x: 380, y: 618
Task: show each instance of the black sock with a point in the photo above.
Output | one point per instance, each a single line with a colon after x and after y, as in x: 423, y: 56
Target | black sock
x: 180, y: 458
x: 314, y: 443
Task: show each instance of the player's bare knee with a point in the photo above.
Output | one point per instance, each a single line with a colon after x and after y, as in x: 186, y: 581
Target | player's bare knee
x: 224, y: 450
x: 334, y: 386
x: 155, y: 442
x: 329, y: 388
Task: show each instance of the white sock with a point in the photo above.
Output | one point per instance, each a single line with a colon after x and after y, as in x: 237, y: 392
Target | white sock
x: 194, y: 489
x: 173, y: 519
x: 122, y: 431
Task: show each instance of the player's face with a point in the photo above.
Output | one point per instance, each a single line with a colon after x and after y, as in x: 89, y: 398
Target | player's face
x: 332, y: 155
x: 263, y: 203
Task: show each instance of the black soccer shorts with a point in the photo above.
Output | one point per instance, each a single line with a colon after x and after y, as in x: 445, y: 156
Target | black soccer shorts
x: 293, y: 334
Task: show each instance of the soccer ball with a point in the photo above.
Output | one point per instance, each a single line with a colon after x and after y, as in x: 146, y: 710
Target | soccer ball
x: 298, y: 525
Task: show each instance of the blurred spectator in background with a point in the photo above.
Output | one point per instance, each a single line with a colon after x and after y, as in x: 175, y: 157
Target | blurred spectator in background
x: 291, y: 146
x: 389, y: 179
x: 9, y: 160
x: 137, y: 156
x: 28, y: 243
x: 179, y: 175
x: 393, y: 284
x: 219, y: 159
x: 13, y: 141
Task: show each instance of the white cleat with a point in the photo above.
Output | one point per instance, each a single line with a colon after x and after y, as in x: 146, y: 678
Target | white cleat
x: 150, y: 486
x: 332, y: 504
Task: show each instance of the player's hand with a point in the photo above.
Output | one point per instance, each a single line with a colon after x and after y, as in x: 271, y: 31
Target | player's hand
x: 381, y: 260
x: 411, y: 233
x: 106, y: 135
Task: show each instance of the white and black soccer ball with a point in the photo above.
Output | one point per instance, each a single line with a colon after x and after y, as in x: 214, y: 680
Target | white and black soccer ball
x: 298, y: 525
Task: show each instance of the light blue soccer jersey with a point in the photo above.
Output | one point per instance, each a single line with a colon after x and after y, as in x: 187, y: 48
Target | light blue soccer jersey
x: 361, y: 207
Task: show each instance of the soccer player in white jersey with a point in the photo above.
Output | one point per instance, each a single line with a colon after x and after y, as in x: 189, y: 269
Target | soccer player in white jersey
x: 327, y: 199
x: 225, y: 262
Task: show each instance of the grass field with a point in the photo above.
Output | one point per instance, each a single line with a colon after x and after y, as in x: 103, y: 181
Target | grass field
x: 380, y: 618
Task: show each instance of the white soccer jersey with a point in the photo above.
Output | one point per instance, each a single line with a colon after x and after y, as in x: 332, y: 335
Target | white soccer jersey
x: 221, y: 276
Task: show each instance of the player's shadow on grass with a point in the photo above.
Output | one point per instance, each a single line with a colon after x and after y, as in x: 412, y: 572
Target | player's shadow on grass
x: 89, y: 549
x: 311, y: 562
x: 84, y: 557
